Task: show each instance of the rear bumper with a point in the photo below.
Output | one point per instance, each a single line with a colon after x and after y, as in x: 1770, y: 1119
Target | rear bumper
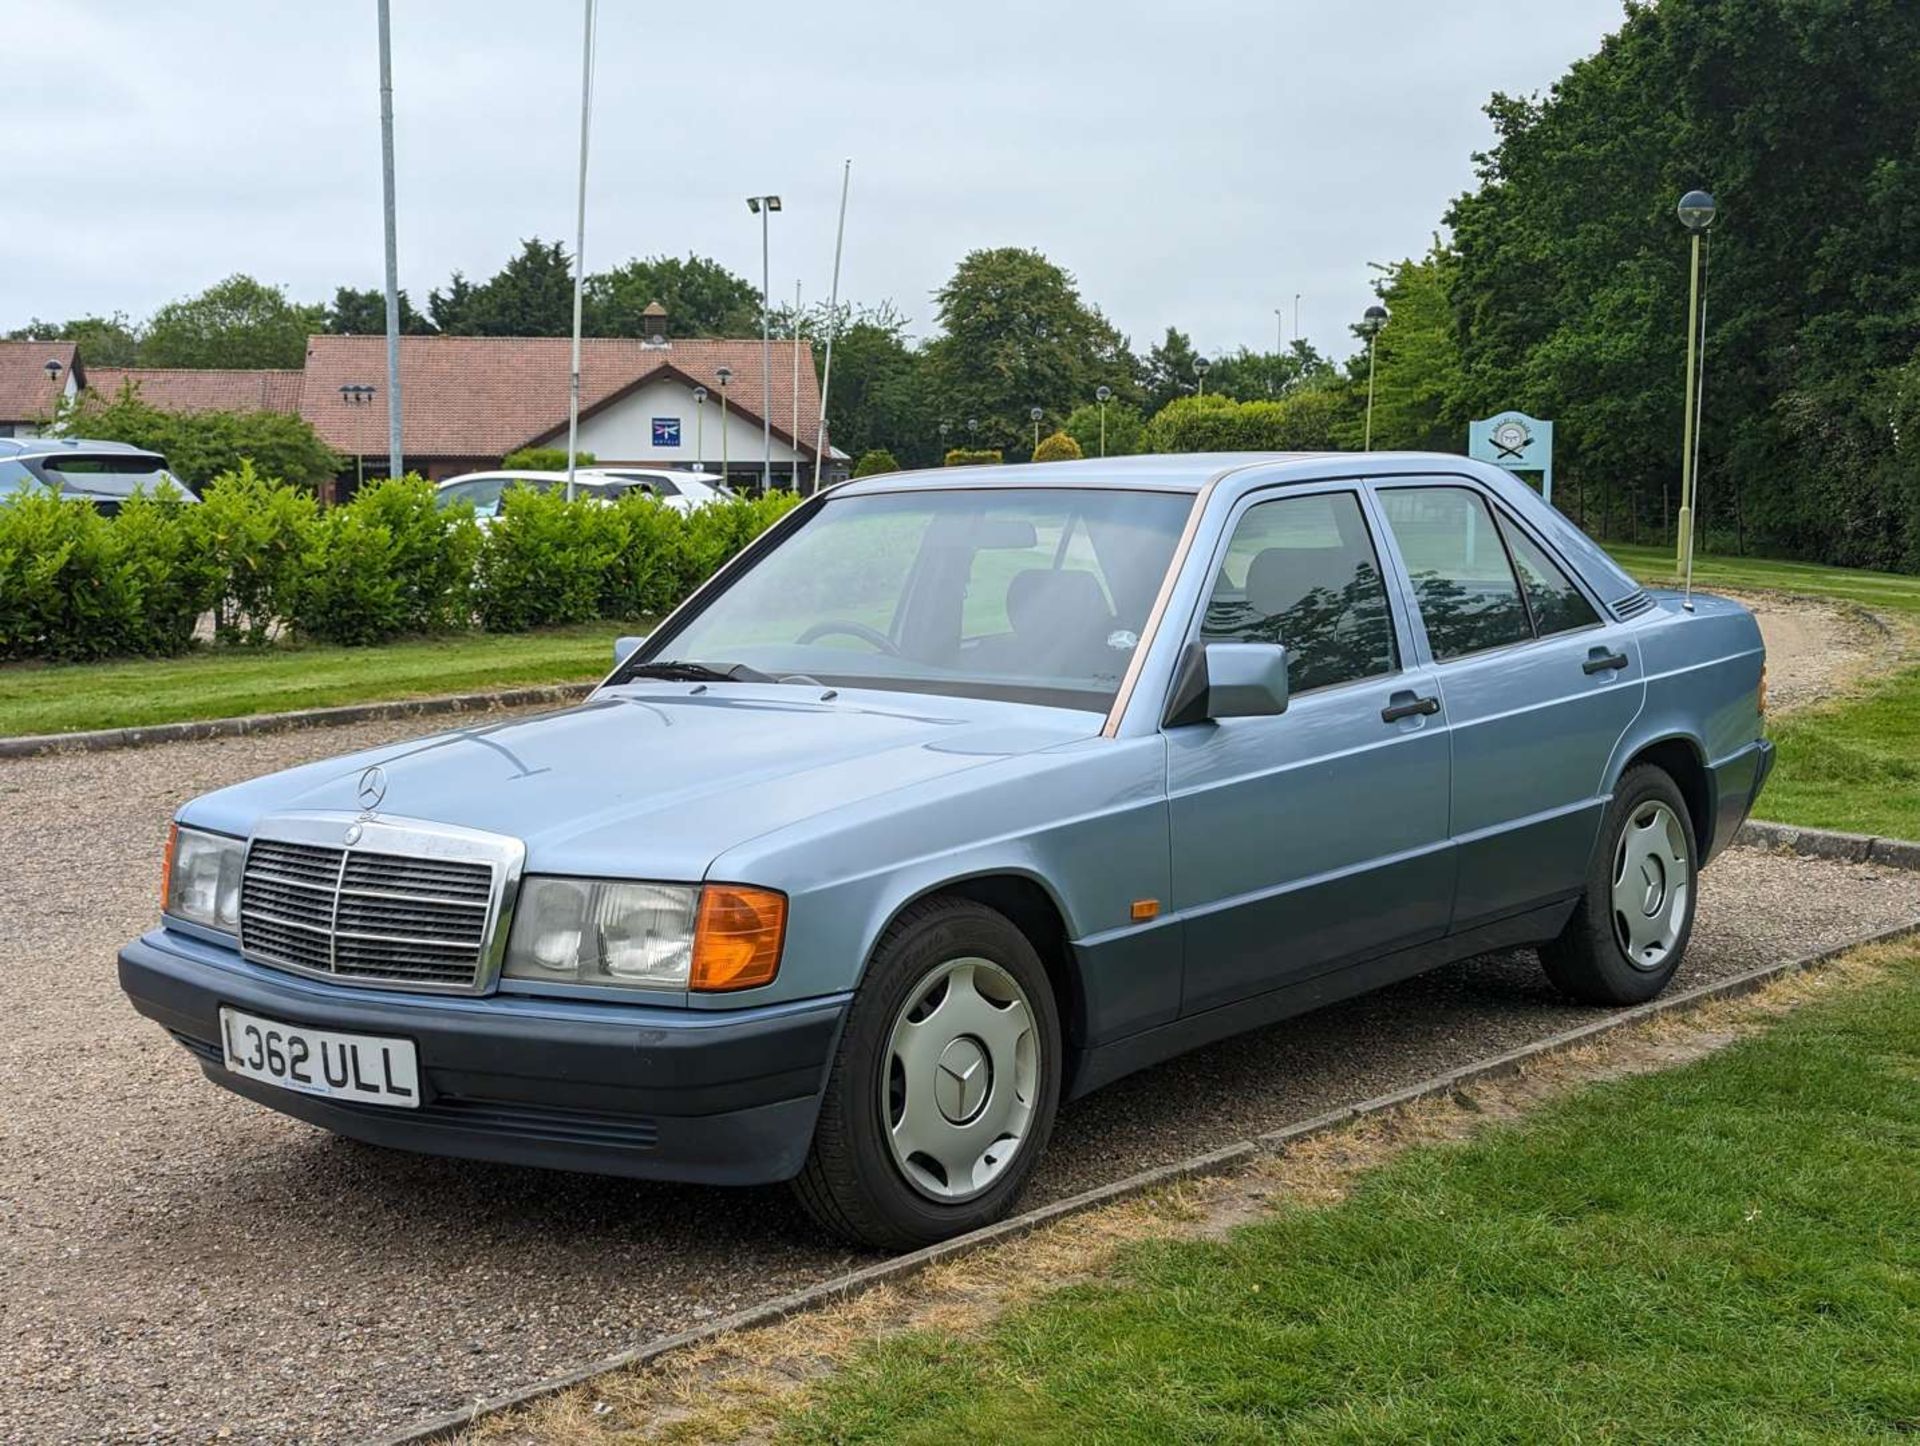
x: 718, y: 1097
x: 1736, y: 786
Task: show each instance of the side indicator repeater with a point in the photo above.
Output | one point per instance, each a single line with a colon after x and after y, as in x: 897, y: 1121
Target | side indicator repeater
x: 1145, y: 909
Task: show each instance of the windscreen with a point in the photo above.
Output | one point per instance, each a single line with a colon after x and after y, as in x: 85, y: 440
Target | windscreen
x: 1035, y: 595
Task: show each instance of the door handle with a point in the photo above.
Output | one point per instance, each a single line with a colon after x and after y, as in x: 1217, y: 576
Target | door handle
x: 1599, y: 660
x: 1394, y: 712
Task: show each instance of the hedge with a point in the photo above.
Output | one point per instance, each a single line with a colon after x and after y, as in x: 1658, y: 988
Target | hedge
x: 1057, y: 447
x: 1312, y: 420
x: 266, y: 562
x: 969, y: 457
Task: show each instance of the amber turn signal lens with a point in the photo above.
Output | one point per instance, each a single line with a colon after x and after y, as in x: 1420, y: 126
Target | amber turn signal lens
x: 1763, y: 692
x: 737, y: 937
x: 166, y: 867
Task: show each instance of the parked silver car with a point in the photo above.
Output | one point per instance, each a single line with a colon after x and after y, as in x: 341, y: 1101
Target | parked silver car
x: 959, y: 793
x: 101, y: 474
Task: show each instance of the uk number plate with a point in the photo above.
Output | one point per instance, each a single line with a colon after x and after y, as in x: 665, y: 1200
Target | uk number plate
x: 364, y: 1067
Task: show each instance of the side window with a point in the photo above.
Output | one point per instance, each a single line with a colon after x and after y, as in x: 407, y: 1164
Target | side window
x: 1302, y: 572
x: 1558, y: 606
x: 1461, y: 576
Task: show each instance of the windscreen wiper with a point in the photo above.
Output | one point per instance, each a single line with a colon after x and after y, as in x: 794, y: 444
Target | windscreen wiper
x: 684, y: 672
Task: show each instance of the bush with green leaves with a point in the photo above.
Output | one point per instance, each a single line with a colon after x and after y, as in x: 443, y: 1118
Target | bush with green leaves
x: 173, y: 579
x: 544, y: 459
x: 255, y: 533
x: 353, y: 591
x: 200, y: 446
x: 1058, y: 447
x: 649, y: 569
x: 974, y: 457
x: 1314, y: 419
x: 544, y: 560
x: 874, y: 461
x: 433, y: 551
x: 1126, y: 430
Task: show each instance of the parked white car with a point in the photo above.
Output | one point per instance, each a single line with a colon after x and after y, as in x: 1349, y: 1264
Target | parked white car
x: 682, y: 491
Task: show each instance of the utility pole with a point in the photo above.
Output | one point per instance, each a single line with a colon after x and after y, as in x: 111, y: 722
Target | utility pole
x: 396, y: 466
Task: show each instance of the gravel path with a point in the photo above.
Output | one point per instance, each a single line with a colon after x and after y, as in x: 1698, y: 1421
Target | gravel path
x: 179, y: 1264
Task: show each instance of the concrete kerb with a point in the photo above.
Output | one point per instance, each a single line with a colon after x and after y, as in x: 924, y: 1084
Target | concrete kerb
x: 103, y: 739
x: 1815, y: 843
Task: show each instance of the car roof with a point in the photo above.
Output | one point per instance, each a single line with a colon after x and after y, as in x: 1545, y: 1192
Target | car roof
x: 672, y: 474
x: 518, y: 474
x: 31, y: 447
x: 1174, y: 472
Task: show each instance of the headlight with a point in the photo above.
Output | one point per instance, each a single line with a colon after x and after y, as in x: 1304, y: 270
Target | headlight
x: 201, y: 883
x: 645, y: 936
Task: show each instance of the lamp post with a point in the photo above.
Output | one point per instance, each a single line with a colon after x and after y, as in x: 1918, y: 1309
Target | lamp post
x: 945, y: 427
x: 51, y: 366
x: 973, y: 427
x: 1034, y: 416
x: 1296, y: 316
x: 1201, y: 366
x: 1280, y: 330
x: 725, y: 374
x: 1103, y: 395
x: 1696, y: 211
x: 699, y: 429
x: 1371, y: 321
x: 357, y: 394
x: 764, y: 207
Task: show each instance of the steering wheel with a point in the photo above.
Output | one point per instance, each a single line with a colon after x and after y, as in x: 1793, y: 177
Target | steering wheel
x: 852, y: 629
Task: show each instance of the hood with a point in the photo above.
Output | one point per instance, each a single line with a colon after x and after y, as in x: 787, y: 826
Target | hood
x: 656, y: 780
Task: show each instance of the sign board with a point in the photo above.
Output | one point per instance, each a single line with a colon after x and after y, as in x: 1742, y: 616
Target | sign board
x: 666, y: 431
x: 1517, y: 442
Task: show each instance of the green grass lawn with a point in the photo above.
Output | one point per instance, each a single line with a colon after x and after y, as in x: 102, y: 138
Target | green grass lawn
x: 1853, y: 764
x: 58, y: 698
x: 1729, y: 1251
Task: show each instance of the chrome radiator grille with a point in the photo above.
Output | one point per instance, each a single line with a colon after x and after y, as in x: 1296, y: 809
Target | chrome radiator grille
x: 365, y: 915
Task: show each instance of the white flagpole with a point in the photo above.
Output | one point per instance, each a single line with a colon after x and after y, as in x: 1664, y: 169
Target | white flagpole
x: 796, y: 388
x: 580, y: 241
x: 833, y: 323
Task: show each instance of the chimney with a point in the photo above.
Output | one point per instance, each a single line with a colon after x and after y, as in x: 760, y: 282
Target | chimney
x: 653, y: 324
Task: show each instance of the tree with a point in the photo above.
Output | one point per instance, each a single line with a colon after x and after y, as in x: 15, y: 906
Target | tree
x: 1169, y: 370
x: 1252, y: 376
x: 1017, y: 335
x: 701, y: 296
x: 532, y: 295
x: 238, y: 322
x: 1126, y: 429
x: 882, y: 389
x: 1418, y: 381
x: 364, y: 313
x: 104, y: 341
x: 200, y: 446
x: 1570, y: 291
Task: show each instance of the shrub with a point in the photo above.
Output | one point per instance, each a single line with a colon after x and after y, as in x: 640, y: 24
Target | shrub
x: 433, y: 551
x: 544, y: 560
x: 1311, y: 419
x: 649, y: 568
x: 201, y: 446
x: 352, y: 589
x: 1059, y: 447
x: 972, y: 457
x: 543, y: 459
x: 60, y: 594
x: 255, y: 534
x: 874, y: 461
x: 173, y: 579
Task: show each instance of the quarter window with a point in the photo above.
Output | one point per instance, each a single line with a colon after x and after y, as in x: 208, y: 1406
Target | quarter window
x: 1302, y: 572
x: 1558, y: 606
x: 1462, y: 578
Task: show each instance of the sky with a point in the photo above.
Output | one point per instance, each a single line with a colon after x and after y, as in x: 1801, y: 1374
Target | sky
x: 1194, y: 165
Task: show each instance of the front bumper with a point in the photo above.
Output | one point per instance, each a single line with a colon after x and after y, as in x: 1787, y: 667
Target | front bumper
x: 714, y: 1097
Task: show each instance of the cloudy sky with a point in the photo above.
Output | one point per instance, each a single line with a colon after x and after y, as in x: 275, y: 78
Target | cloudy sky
x: 1192, y: 164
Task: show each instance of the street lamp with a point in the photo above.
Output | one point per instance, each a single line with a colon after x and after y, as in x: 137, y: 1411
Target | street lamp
x: 1371, y: 321
x: 764, y: 207
x: 359, y: 394
x: 945, y: 427
x: 1103, y: 395
x: 1696, y: 212
x: 1201, y: 366
x: 725, y: 374
x: 1034, y: 416
x: 973, y: 426
x: 700, y: 429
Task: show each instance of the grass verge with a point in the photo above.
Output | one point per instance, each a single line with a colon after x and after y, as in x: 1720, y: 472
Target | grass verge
x: 1877, y: 591
x: 1727, y: 1251
x: 1716, y: 1241
x: 225, y: 683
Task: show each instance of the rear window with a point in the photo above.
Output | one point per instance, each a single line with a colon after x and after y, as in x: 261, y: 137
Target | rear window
x: 106, y: 464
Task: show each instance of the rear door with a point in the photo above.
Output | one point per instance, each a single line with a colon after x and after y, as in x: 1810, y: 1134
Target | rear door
x: 1318, y: 837
x: 1538, y: 688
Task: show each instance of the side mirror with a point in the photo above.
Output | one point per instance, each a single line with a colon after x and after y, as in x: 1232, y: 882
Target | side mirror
x: 624, y: 648
x: 1228, y: 680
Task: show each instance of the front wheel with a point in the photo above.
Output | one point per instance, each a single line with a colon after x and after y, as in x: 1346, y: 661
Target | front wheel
x: 1628, y: 934
x: 944, y: 1085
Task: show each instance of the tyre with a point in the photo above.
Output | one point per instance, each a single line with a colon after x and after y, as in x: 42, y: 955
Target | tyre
x: 944, y: 1084
x: 1628, y: 934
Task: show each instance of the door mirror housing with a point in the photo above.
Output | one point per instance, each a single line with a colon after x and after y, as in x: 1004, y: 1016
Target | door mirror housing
x: 1228, y: 680
x: 624, y: 648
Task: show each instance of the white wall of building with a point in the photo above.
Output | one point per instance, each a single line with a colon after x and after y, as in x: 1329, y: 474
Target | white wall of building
x: 624, y: 431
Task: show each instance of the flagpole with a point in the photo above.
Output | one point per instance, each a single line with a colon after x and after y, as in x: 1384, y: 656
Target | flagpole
x: 395, y: 462
x: 833, y: 323
x: 580, y: 240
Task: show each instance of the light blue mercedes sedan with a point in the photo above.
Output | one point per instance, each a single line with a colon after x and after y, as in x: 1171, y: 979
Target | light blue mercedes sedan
x: 959, y: 793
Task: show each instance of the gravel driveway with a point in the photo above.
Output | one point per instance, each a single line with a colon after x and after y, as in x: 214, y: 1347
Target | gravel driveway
x: 179, y: 1264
